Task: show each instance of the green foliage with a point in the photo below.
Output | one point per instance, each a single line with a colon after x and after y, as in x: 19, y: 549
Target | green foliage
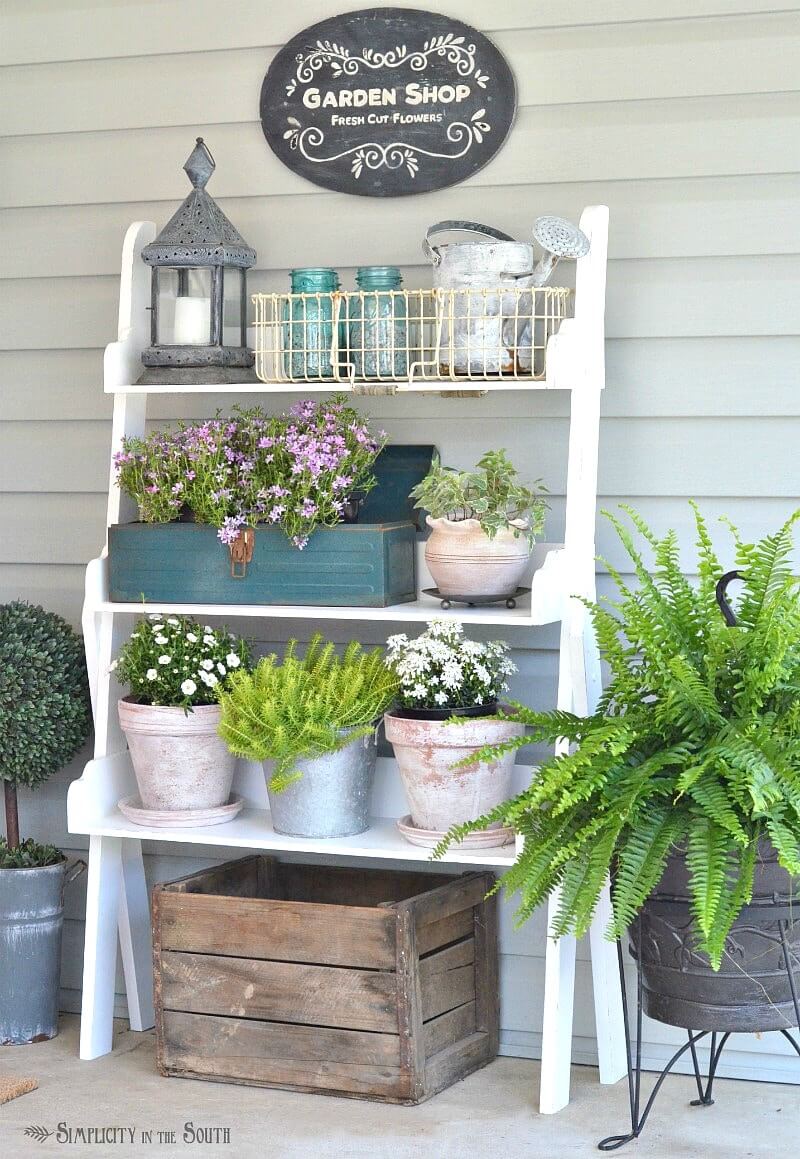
x: 28, y: 855
x: 44, y: 694
x: 287, y: 710
x: 695, y: 744
x: 491, y: 494
x: 176, y: 663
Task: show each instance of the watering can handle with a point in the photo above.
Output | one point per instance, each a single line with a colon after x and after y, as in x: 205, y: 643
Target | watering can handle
x: 432, y: 253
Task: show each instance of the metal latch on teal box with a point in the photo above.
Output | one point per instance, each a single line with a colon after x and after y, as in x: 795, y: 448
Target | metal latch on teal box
x: 241, y: 550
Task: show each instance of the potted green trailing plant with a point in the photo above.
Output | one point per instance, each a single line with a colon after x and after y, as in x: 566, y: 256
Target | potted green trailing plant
x: 483, y: 527
x: 176, y: 669
x: 442, y: 676
x: 314, y: 719
x: 45, y: 717
x: 684, y: 785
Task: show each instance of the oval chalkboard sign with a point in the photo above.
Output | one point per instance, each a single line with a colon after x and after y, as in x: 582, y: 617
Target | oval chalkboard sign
x: 387, y: 101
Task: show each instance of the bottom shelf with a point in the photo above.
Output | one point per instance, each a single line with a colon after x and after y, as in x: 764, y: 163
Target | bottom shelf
x: 92, y: 810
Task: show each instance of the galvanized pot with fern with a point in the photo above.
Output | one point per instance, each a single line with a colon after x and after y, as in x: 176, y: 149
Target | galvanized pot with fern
x: 314, y: 720
x: 684, y: 784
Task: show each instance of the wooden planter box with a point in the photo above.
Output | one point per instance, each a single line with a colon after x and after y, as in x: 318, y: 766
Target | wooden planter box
x: 370, y: 983
x: 369, y: 564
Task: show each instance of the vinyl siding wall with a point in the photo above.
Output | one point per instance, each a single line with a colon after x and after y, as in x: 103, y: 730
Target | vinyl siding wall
x: 681, y: 115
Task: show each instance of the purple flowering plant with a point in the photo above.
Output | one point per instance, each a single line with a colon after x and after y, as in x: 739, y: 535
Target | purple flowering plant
x: 294, y: 470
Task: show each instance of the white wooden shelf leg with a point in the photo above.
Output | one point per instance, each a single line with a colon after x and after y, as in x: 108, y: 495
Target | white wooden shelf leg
x: 609, y: 1026
x: 559, y: 993
x: 135, y: 935
x: 100, y: 947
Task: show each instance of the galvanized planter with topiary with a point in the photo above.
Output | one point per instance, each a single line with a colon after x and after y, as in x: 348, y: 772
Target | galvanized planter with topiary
x: 44, y: 720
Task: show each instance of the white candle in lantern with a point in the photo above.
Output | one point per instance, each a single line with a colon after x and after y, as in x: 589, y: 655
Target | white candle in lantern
x: 192, y: 321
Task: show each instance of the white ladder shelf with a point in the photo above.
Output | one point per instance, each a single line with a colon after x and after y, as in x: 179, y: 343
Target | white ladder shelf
x: 117, y: 899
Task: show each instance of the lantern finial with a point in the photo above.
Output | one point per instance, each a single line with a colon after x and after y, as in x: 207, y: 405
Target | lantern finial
x: 199, y: 165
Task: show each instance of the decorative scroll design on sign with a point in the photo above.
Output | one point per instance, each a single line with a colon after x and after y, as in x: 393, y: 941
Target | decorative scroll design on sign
x: 372, y: 155
x: 342, y: 61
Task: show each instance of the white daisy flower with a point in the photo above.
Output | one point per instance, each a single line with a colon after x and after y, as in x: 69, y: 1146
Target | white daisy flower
x: 161, y: 640
x: 207, y: 664
x: 165, y: 659
x: 190, y: 636
x: 174, y: 621
x: 222, y: 669
x: 211, y: 680
x: 154, y: 616
x: 441, y: 698
x: 209, y: 641
x: 232, y: 660
x: 188, y: 688
x: 152, y: 674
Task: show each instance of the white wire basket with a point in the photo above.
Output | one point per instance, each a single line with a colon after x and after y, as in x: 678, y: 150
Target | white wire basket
x: 396, y: 336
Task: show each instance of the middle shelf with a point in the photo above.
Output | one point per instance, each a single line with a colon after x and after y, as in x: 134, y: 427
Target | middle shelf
x: 544, y: 604
x: 92, y: 810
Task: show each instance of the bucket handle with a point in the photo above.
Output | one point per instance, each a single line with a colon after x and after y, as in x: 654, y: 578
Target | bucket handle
x: 73, y: 870
x: 432, y: 253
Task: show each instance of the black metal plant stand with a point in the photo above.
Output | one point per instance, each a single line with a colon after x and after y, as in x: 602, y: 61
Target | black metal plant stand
x: 705, y: 1084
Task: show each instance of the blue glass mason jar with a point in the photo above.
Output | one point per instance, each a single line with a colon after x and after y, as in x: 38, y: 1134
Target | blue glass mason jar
x: 309, y: 326
x: 377, y: 324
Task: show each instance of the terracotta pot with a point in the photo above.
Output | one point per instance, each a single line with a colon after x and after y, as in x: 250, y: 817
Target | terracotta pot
x: 464, y: 561
x: 438, y: 795
x: 179, y: 760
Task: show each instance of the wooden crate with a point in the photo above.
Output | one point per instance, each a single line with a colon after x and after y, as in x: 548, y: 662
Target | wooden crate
x: 371, y: 983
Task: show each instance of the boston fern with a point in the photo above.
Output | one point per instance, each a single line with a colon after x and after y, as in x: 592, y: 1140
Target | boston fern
x: 287, y: 710
x: 695, y: 744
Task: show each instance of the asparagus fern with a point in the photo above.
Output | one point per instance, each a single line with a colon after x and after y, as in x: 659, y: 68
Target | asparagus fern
x: 290, y: 709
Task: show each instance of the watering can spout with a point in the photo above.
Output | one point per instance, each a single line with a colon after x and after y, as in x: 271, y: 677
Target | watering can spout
x: 558, y: 238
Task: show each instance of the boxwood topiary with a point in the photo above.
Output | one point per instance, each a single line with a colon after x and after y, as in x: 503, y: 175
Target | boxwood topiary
x: 44, y: 700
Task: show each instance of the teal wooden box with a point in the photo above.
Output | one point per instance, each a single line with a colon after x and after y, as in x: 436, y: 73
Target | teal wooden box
x: 369, y: 564
x: 353, y: 565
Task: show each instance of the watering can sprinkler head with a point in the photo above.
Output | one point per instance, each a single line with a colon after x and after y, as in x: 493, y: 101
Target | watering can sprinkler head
x: 559, y: 238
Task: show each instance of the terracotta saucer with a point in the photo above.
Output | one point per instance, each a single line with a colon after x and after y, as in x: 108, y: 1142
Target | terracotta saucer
x: 132, y: 808
x: 430, y: 838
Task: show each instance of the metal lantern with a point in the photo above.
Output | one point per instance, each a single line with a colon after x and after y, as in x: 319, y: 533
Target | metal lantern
x: 198, y: 321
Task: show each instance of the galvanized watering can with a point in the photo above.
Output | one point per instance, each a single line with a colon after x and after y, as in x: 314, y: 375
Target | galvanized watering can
x: 480, y: 329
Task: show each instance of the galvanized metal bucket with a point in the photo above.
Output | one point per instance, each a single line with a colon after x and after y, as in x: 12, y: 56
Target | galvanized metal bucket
x: 331, y: 798
x: 31, y: 922
x: 480, y: 328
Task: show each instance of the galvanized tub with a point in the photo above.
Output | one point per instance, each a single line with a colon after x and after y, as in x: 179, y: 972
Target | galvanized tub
x: 479, y: 329
x: 331, y: 798
x: 31, y: 922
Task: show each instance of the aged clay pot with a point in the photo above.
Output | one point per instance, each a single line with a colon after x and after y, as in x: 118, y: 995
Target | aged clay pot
x: 464, y: 561
x: 440, y: 796
x: 751, y: 992
x: 179, y: 760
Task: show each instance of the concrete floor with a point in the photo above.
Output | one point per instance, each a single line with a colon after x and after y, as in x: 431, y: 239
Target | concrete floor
x: 490, y: 1115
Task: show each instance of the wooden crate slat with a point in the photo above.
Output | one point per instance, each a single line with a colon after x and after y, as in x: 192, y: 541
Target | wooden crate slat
x: 279, y: 930
x: 232, y: 879
x: 487, y: 981
x: 340, y: 885
x: 456, y: 1061
x: 455, y: 1024
x: 452, y: 928
x: 447, y: 978
x: 279, y: 991
x: 464, y: 893
x: 283, y: 1042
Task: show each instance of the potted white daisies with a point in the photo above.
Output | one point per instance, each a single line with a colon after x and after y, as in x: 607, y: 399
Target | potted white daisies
x: 176, y: 669
x: 448, y: 709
